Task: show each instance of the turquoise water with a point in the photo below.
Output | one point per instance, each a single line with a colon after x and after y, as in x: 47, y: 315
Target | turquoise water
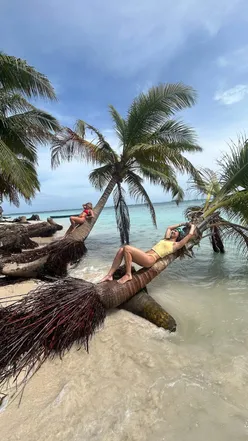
x: 139, y: 383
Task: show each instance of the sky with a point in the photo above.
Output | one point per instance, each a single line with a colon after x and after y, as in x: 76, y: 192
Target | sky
x: 98, y: 53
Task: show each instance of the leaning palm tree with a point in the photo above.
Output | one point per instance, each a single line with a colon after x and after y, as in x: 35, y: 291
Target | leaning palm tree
x: 152, y: 146
x: 226, y: 192
x: 22, y: 127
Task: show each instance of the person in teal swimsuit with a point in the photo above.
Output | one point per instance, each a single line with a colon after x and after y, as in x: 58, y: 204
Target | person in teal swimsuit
x: 175, y: 239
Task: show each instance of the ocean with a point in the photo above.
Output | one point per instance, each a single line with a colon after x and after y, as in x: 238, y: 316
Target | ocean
x: 139, y: 382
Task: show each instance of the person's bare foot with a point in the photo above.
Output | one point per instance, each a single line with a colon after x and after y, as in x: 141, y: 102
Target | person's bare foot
x: 125, y: 279
x: 107, y: 278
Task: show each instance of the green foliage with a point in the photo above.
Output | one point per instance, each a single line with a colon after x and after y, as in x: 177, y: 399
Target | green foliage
x: 226, y: 194
x: 152, y: 146
x: 22, y: 127
x: 17, y: 76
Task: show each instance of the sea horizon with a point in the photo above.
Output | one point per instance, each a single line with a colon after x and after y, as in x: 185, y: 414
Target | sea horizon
x: 106, y: 207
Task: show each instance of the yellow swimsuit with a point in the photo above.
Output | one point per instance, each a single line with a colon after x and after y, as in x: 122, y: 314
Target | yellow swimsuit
x: 163, y: 248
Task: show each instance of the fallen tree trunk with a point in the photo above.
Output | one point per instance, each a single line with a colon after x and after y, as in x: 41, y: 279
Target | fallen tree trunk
x: 15, y: 237
x: 143, y: 305
x: 51, y: 260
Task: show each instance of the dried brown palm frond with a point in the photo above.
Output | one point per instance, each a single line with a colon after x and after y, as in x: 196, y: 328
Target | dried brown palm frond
x: 59, y: 254
x: 46, y: 323
x: 216, y: 240
x: 194, y: 213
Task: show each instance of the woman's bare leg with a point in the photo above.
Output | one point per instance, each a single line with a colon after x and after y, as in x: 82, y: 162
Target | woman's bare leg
x: 75, y: 220
x: 132, y: 254
x: 115, y: 265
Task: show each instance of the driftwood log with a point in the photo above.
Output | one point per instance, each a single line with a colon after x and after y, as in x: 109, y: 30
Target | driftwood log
x: 14, y: 237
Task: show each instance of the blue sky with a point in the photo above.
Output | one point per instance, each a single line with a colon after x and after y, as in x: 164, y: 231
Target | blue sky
x: 98, y: 53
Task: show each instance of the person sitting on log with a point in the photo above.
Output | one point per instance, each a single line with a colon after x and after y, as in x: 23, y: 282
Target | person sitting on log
x: 75, y: 221
x: 175, y: 239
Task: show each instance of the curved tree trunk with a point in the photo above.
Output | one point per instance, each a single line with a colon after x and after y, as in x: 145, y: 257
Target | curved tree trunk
x: 83, y: 231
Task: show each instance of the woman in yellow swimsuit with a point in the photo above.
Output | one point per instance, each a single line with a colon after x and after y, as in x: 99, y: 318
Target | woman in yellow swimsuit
x: 173, y: 241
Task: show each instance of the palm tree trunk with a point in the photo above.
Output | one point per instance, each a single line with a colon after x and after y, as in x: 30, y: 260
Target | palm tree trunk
x: 143, y: 305
x: 83, y: 231
x: 113, y: 294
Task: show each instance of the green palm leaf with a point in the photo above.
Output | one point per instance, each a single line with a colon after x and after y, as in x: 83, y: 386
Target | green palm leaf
x: 69, y: 144
x: 175, y: 132
x: 166, y: 180
x: 17, y: 174
x: 101, y: 176
x: 234, y: 166
x: 120, y: 125
x: 149, y: 111
x: 235, y: 206
x: 137, y: 191
x: 237, y: 236
x: 206, y: 182
x: 17, y: 75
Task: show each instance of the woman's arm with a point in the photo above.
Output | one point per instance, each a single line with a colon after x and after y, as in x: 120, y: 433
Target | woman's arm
x: 91, y: 215
x: 172, y: 227
x: 186, y: 239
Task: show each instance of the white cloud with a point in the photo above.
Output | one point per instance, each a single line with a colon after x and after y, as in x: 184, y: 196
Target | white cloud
x: 233, y: 95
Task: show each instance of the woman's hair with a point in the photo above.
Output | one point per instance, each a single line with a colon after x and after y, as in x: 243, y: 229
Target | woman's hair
x: 182, y: 232
x: 89, y: 205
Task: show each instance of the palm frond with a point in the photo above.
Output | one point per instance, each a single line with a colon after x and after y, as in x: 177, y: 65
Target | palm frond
x: 121, y: 213
x: 168, y: 182
x: 237, y: 236
x: 17, y: 75
x: 21, y: 180
x: 120, y: 124
x: 177, y: 133
x: 11, y: 103
x: 149, y: 111
x: 101, y: 176
x: 165, y: 154
x: 22, y: 132
x: 8, y: 191
x: 68, y: 145
x: 235, y: 206
x: 104, y: 152
x: 204, y: 183
x: 216, y: 240
x: 194, y: 212
x: 234, y: 167
x: 137, y: 191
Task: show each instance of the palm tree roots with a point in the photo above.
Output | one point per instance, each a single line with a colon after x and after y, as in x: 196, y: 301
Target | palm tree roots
x: 46, y: 323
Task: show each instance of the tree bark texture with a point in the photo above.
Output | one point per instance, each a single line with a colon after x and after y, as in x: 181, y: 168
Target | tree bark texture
x: 14, y: 237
